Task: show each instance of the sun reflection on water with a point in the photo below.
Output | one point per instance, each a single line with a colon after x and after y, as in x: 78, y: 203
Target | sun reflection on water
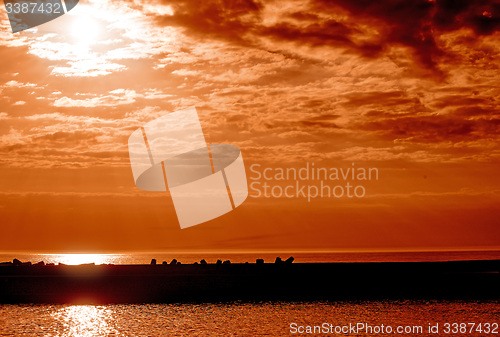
x: 74, y: 259
x: 85, y: 320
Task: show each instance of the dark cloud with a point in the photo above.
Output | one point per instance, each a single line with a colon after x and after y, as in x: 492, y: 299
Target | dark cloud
x: 391, y: 98
x: 319, y: 124
x: 437, y: 128
x: 69, y: 137
x: 414, y: 24
x: 378, y: 114
x: 304, y: 16
x: 476, y: 111
x: 468, y: 106
x: 458, y: 100
x: 325, y: 117
x: 220, y: 19
x: 330, y: 32
x: 236, y: 118
x: 482, y: 16
x: 106, y: 154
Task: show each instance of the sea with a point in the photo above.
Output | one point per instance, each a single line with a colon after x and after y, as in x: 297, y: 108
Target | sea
x: 317, y: 318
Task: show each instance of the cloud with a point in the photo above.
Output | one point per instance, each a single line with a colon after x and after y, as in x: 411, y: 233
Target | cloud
x: 155, y: 94
x: 67, y: 137
x: 387, y: 99
x: 410, y: 87
x: 115, y: 97
x: 365, y: 28
x: 435, y: 128
x: 417, y: 24
x: 185, y: 72
x: 482, y: 16
x: 330, y: 74
x: 16, y: 84
x: 88, y: 68
x: 228, y: 19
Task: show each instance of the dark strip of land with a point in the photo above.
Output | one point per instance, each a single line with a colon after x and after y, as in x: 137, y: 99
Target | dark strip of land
x: 167, y: 283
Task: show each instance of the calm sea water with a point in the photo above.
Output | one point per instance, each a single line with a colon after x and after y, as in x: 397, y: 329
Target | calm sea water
x: 252, y: 319
x: 247, y: 319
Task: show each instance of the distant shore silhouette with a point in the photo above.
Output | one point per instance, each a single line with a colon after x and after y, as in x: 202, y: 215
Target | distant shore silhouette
x: 283, y: 280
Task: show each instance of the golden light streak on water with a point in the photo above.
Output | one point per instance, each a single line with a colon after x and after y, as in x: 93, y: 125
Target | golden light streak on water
x: 85, y: 320
x: 74, y: 259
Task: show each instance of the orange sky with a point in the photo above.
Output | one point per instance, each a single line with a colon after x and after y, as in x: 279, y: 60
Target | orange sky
x: 408, y: 87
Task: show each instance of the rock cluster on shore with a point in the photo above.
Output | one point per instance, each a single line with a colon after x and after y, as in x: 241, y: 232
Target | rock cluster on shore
x: 278, y: 260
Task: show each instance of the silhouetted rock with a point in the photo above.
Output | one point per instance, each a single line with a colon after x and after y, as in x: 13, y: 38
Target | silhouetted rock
x: 218, y: 262
x: 179, y: 262
x: 164, y: 262
x: 203, y: 261
x: 260, y: 261
x: 289, y: 260
x: 174, y: 261
x: 469, y: 280
x: 16, y: 262
x: 195, y: 262
x: 5, y: 263
x: 226, y: 262
x: 41, y: 263
x: 278, y: 260
x: 153, y: 261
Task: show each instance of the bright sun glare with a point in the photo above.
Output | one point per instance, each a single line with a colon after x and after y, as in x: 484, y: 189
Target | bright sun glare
x: 82, y: 258
x: 85, y: 30
x: 85, y: 320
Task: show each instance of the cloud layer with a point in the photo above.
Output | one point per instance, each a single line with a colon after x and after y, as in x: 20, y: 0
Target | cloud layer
x: 410, y: 87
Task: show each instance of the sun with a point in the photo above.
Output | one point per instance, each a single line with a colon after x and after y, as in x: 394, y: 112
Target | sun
x: 85, y: 30
x: 75, y: 259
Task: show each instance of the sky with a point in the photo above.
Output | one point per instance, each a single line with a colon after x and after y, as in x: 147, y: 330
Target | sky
x: 410, y: 88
